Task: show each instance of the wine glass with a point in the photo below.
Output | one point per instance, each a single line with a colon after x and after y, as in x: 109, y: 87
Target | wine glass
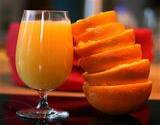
x: 44, y: 56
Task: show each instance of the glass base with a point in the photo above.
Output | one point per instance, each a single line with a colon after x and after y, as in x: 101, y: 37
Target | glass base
x: 39, y: 114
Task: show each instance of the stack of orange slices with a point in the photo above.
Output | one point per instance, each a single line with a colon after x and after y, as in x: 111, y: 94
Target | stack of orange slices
x: 115, y: 73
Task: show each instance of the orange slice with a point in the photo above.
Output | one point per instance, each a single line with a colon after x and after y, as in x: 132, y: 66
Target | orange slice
x: 102, y: 18
x: 120, y: 99
x: 110, y: 58
x: 123, y: 74
x: 100, y: 32
x: 125, y: 38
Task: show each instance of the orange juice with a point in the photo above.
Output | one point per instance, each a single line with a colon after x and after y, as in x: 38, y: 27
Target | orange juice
x: 44, y: 53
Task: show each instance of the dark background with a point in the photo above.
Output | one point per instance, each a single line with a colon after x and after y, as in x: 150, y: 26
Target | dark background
x: 11, y: 10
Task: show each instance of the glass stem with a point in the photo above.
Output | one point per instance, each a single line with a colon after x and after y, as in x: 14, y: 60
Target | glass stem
x: 43, y: 103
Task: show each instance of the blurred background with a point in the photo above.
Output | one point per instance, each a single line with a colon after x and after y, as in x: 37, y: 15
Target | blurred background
x: 133, y: 13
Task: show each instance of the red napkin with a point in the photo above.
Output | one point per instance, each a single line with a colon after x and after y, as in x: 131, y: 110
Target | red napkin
x: 11, y: 41
x: 74, y: 81
x: 144, y: 37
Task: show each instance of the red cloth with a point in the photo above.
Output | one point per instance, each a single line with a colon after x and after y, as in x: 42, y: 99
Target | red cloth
x: 11, y: 41
x: 75, y: 81
x: 143, y: 36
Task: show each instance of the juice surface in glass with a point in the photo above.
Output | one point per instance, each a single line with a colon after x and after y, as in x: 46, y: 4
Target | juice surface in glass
x: 44, y: 53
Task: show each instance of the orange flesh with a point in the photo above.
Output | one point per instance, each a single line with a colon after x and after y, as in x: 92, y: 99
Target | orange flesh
x: 110, y: 58
x: 92, y: 47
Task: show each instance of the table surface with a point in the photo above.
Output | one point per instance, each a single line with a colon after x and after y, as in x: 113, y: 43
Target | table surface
x: 147, y: 115
x: 13, y: 98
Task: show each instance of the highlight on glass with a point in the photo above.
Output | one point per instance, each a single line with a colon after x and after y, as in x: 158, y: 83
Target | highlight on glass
x: 44, y: 56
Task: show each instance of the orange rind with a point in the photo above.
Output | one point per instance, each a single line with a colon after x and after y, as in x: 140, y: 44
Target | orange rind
x: 120, y: 99
x: 92, y: 21
x: 110, y: 58
x: 125, y: 38
x: 134, y: 72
